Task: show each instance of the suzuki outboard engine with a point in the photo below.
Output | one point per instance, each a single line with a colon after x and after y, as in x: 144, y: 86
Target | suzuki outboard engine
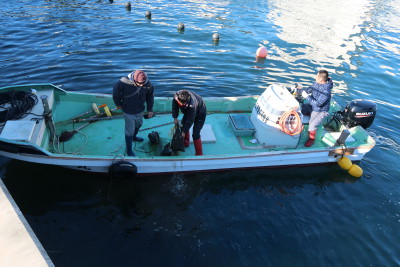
x: 359, y: 112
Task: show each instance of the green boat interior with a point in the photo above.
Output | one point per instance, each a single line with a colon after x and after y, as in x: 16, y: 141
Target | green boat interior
x: 228, y: 128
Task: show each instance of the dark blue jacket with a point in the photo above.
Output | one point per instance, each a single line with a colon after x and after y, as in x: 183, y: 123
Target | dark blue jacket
x: 132, y: 98
x: 195, y: 108
x: 320, y: 95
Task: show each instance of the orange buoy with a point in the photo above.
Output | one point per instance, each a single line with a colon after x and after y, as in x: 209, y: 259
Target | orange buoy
x: 262, y: 52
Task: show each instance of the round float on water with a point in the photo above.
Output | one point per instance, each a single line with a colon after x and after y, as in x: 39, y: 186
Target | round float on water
x: 148, y: 14
x: 181, y: 27
x: 262, y: 52
x: 215, y: 36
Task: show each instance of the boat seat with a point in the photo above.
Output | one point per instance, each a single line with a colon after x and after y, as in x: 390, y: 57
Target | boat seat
x: 207, y: 134
x: 20, y: 130
x: 26, y: 129
x: 330, y: 138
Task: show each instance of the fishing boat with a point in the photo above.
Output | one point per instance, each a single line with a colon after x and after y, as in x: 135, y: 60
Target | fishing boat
x: 42, y: 123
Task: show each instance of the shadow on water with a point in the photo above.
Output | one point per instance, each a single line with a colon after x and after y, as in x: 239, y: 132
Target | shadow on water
x: 39, y: 188
x: 167, y: 216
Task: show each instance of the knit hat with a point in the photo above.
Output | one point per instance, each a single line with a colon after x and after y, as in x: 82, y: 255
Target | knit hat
x: 140, y: 76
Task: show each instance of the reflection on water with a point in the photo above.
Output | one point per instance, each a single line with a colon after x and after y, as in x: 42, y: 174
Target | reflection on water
x: 327, y: 30
x: 300, y: 36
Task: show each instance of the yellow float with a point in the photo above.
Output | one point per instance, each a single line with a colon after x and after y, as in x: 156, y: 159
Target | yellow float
x: 345, y: 163
x: 355, y: 171
x: 107, y: 111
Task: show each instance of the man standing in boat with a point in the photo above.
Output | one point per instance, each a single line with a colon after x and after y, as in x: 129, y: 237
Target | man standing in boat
x: 318, y: 97
x: 194, y: 113
x: 130, y: 94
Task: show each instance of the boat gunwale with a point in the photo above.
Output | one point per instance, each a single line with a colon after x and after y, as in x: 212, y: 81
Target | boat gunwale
x: 190, y: 158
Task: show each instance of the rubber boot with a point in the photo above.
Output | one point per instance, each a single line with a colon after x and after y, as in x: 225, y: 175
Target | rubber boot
x: 186, y: 140
x: 128, y: 142
x: 198, y: 147
x: 137, y: 138
x: 311, y: 138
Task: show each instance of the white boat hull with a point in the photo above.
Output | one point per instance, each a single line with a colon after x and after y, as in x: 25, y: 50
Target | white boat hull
x: 192, y: 164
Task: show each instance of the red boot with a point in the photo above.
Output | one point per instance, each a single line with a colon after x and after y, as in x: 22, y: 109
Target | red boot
x: 311, y: 138
x: 186, y: 140
x: 198, y: 147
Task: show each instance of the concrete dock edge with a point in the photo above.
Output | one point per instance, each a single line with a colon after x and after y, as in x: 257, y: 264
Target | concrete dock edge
x: 19, y: 245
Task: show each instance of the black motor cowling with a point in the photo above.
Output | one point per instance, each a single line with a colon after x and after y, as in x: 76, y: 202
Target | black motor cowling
x: 359, y: 112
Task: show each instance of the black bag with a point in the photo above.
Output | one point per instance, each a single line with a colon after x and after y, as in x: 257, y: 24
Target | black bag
x: 333, y: 124
x: 177, y: 142
x: 167, y: 151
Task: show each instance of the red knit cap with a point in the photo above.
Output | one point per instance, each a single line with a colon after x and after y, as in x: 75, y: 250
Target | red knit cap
x: 140, y: 76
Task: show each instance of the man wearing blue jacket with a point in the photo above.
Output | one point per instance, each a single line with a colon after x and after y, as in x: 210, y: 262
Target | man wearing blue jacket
x: 194, y: 113
x: 318, y: 97
x: 130, y: 94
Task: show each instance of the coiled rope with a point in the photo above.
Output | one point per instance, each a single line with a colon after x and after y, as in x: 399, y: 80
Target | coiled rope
x: 290, y: 122
x: 15, y: 105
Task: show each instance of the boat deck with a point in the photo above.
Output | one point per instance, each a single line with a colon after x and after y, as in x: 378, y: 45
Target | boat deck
x: 106, y: 138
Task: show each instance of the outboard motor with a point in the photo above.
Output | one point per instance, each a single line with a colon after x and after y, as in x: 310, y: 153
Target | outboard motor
x: 359, y: 112
x: 266, y: 114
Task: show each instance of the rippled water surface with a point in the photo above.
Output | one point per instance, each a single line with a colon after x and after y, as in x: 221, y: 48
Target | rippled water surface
x: 316, y: 216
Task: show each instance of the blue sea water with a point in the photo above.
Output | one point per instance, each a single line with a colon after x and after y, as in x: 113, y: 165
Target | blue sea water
x: 314, y: 216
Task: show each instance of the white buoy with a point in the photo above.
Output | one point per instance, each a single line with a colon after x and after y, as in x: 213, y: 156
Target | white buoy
x: 215, y: 36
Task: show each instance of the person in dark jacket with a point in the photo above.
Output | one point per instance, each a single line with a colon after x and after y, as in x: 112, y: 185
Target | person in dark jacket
x: 194, y: 113
x: 318, y: 97
x: 131, y: 94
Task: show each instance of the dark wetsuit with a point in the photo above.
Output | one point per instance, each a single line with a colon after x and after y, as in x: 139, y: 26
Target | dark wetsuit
x: 194, y: 113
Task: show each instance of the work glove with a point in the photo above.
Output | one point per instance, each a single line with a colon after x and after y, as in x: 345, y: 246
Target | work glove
x: 304, y: 94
